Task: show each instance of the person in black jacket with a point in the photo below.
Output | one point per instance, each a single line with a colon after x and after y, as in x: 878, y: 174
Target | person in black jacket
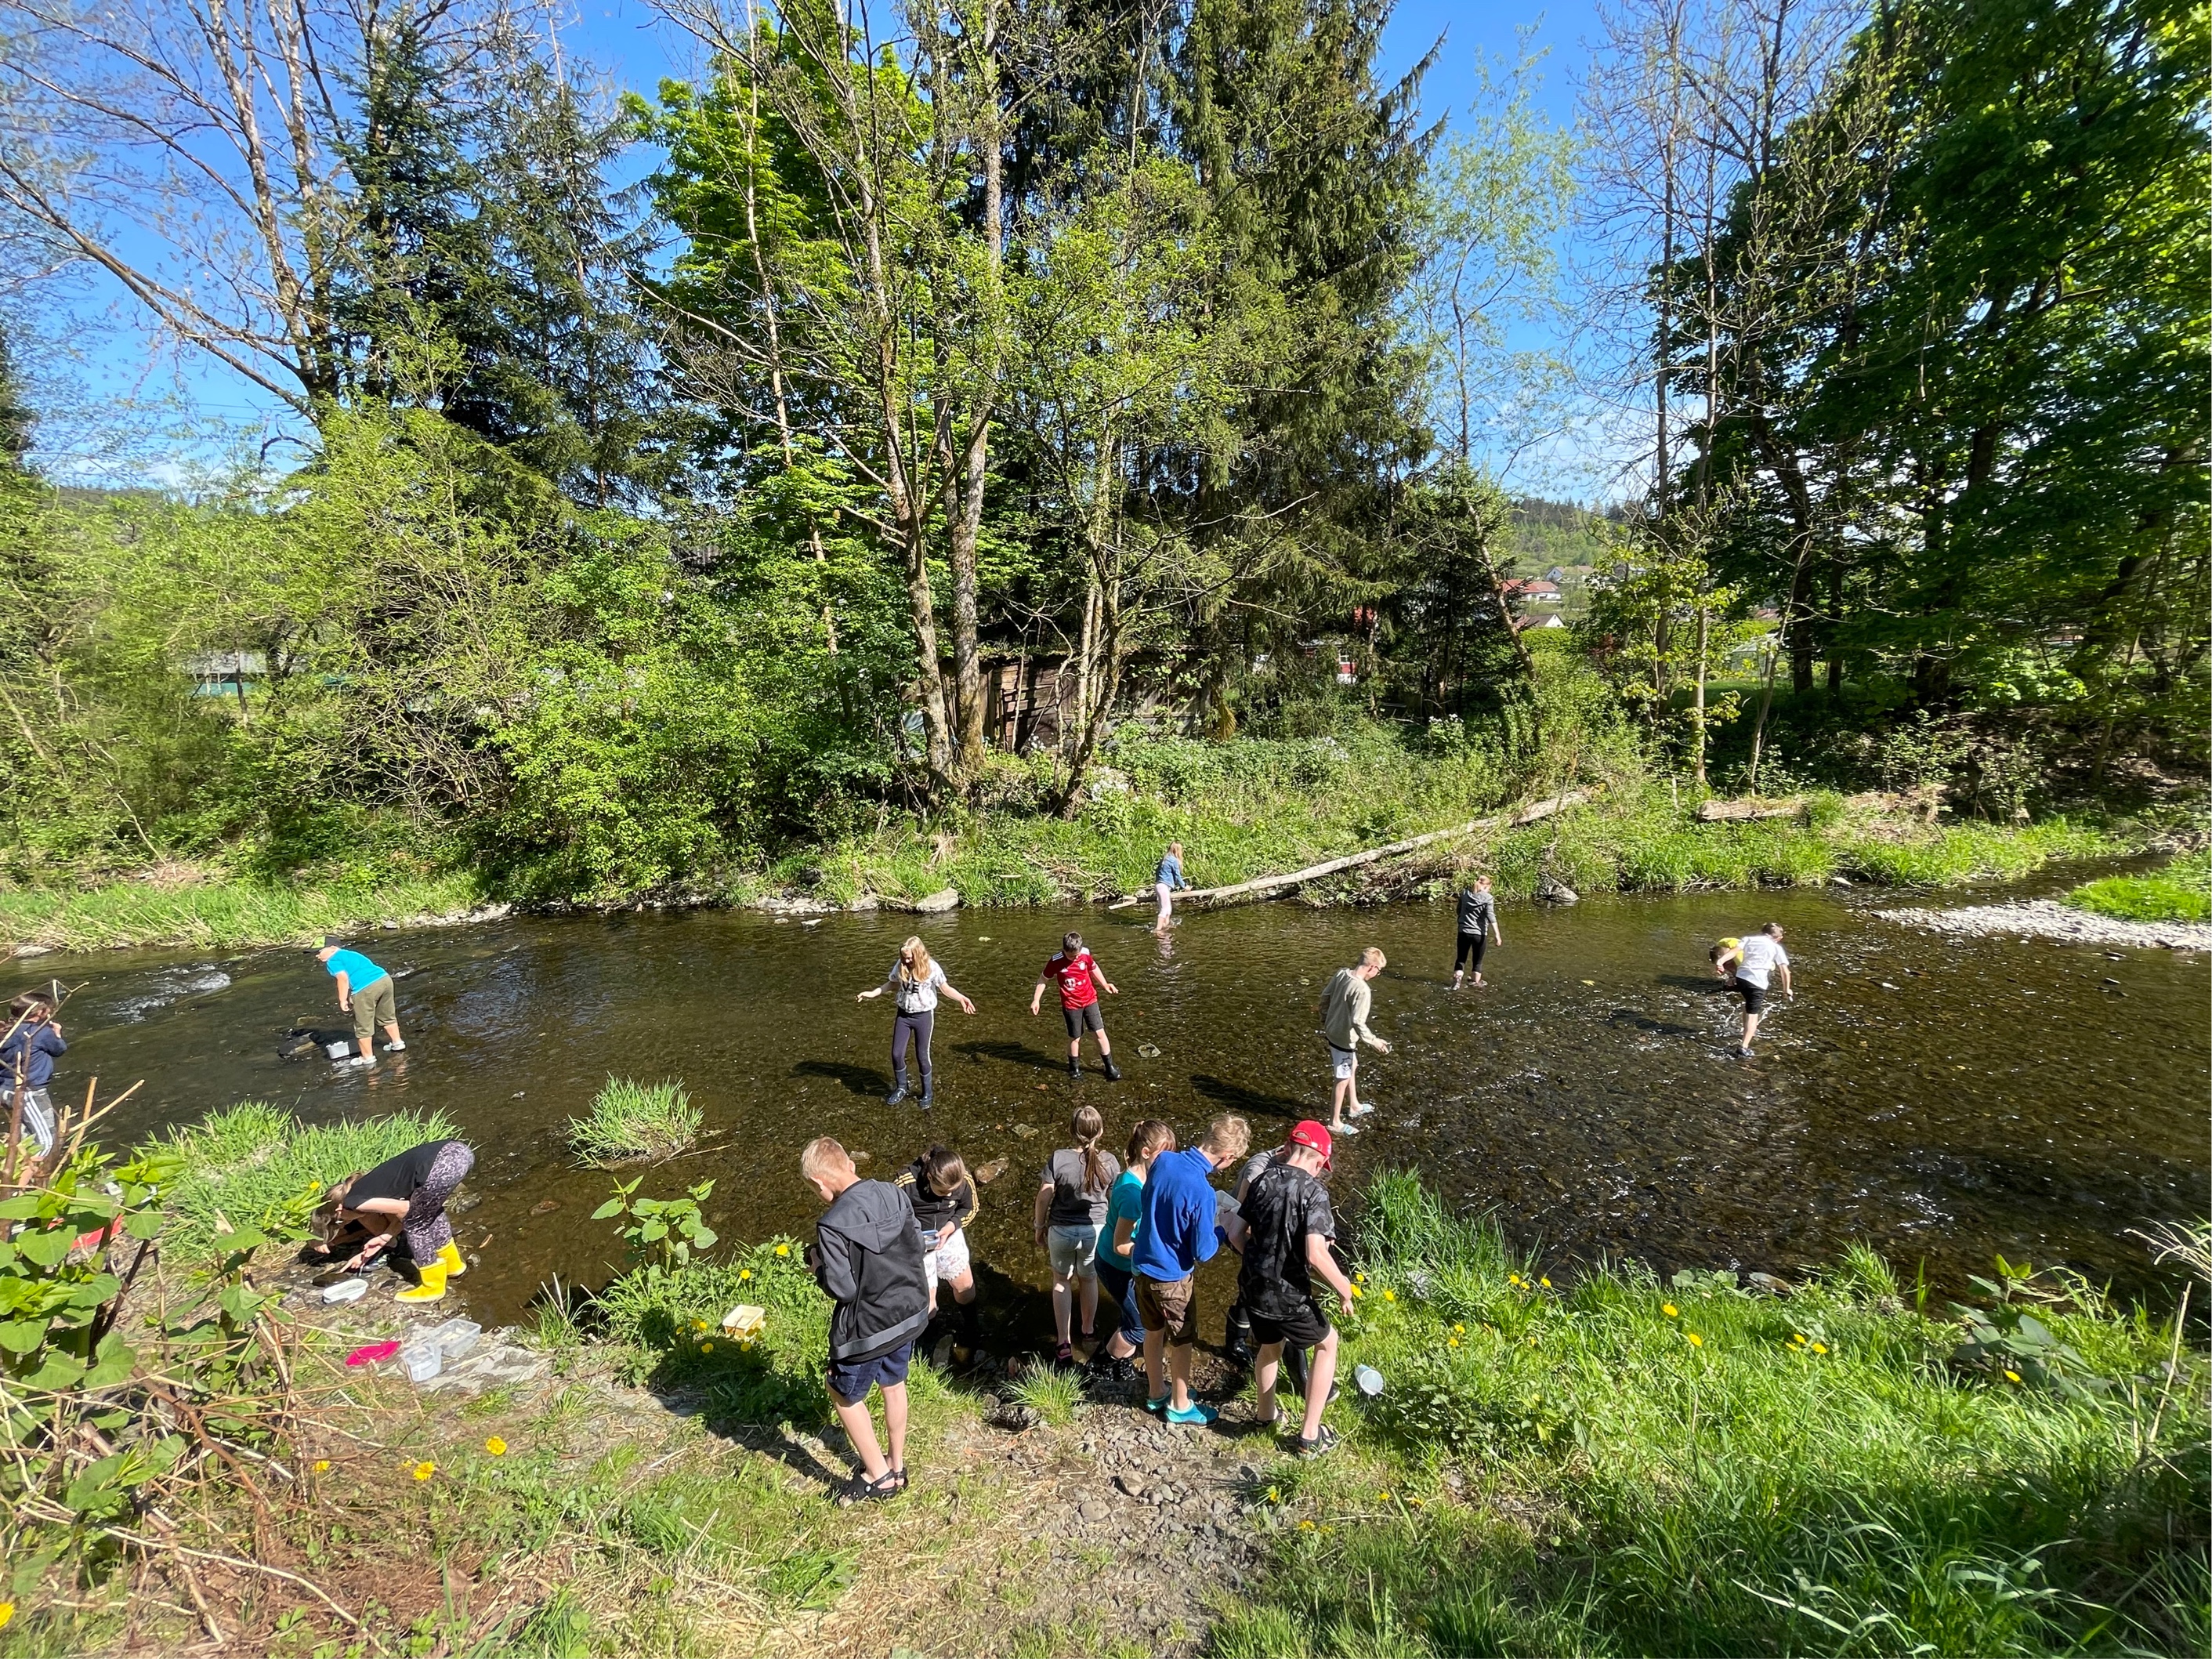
x: 867, y: 1258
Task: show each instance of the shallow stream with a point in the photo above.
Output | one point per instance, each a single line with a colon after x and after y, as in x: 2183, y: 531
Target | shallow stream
x: 1939, y: 1098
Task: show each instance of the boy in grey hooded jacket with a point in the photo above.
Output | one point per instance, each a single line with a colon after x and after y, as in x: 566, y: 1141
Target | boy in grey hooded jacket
x: 867, y: 1258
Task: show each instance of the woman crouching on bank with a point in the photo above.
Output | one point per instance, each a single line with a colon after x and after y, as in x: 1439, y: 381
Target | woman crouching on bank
x: 406, y: 1194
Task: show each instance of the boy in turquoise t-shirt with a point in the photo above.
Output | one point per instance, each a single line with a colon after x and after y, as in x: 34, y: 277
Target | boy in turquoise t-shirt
x: 365, y: 992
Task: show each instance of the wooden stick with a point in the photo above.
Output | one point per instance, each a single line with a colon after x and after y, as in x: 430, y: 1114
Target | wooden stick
x: 141, y: 1539
x: 1314, y: 871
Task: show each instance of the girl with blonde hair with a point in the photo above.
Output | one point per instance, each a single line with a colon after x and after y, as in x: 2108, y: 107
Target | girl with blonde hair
x: 914, y: 983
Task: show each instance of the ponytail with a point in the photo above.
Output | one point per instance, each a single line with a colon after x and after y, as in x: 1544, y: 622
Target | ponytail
x: 1088, y: 1127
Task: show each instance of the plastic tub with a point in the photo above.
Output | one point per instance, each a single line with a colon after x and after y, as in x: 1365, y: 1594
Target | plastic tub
x: 346, y: 1290
x: 456, y: 1336
x: 422, y: 1360
x: 338, y: 1050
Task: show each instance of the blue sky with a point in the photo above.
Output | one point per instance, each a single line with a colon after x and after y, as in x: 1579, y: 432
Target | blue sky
x: 143, y: 408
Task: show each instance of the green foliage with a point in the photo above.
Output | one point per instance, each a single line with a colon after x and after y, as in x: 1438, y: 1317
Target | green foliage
x: 1565, y: 1470
x: 2182, y: 891
x: 1052, y: 1393
x: 658, y: 1234
x: 256, y: 1165
x: 56, y: 1318
x: 220, y: 913
x: 630, y: 1121
x: 668, y: 1328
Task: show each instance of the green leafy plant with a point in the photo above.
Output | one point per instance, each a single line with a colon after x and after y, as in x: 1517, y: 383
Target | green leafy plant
x: 660, y: 1235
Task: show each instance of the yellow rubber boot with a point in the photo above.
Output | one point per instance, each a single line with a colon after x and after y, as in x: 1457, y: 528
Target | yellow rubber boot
x: 449, y: 1258
x: 433, y: 1287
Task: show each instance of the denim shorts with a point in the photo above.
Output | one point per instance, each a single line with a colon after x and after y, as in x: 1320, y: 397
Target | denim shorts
x: 1074, y: 1252
x: 850, y: 1383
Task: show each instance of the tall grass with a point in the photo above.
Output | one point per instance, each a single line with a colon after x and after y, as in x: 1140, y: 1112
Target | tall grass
x: 2182, y: 891
x: 1625, y: 1465
x: 222, y: 913
x: 634, y: 1122
x: 243, y: 1162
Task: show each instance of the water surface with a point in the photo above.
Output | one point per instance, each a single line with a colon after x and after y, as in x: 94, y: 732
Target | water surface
x: 1939, y: 1098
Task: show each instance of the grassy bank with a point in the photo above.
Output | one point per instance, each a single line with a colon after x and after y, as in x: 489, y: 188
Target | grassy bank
x: 2182, y: 891
x: 1625, y: 1465
x: 1246, y: 808
x: 219, y: 912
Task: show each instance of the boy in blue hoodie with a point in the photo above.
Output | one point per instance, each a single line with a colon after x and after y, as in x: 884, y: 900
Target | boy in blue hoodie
x: 1177, y: 1231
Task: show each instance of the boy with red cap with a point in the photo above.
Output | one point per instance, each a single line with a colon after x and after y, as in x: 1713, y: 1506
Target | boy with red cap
x: 1288, y: 1228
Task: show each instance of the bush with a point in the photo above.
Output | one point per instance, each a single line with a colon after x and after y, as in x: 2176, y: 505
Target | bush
x: 632, y: 1121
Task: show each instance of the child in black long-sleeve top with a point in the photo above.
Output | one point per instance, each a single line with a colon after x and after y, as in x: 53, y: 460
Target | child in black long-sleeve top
x: 943, y: 1198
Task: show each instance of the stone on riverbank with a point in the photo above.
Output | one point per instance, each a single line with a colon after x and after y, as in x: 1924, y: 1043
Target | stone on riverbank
x: 2047, y: 919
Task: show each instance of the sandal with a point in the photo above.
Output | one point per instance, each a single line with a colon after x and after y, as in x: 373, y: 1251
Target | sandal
x: 1066, y: 1354
x: 899, y: 1476
x: 861, y: 1490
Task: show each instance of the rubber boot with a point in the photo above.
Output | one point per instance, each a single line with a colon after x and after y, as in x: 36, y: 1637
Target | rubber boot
x: 1075, y: 1068
x: 433, y: 1287
x: 1113, y: 1072
x: 928, y: 1093
x: 449, y: 1258
x: 898, y: 1087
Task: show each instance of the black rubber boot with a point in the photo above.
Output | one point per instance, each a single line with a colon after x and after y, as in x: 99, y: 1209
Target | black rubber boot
x: 1113, y: 1072
x: 1075, y: 1068
x: 898, y: 1089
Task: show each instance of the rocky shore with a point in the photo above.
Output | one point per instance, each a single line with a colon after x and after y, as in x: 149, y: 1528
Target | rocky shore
x: 2047, y: 919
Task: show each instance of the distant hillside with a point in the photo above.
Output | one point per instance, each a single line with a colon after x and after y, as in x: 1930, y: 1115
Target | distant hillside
x: 1553, y: 534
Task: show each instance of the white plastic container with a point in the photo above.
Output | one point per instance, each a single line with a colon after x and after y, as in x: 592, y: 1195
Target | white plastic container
x: 421, y: 1360
x: 338, y: 1050
x: 346, y: 1290
x: 456, y: 1336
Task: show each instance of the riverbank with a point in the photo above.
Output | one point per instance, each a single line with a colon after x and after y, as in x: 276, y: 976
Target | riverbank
x: 2045, y: 919
x: 1605, y: 1463
x: 1266, y: 809
x: 2179, y: 892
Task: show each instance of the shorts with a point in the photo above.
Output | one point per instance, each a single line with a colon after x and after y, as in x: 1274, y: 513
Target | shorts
x: 1074, y: 1250
x: 1346, y: 1061
x: 1305, y: 1328
x: 1122, y: 1285
x: 374, y: 1005
x: 949, y: 1260
x: 1754, y: 996
x: 850, y: 1383
x: 1079, y: 1019
x: 1170, y: 1306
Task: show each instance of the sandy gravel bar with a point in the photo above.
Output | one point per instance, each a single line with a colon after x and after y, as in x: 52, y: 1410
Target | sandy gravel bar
x: 2048, y: 919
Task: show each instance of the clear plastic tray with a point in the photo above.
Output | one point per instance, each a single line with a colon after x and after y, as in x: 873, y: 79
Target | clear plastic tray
x: 455, y: 1337
x: 422, y: 1360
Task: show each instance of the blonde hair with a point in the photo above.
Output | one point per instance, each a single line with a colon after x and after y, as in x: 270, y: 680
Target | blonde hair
x: 1087, y: 1126
x: 1372, y: 957
x: 1148, y: 1141
x: 823, y: 1157
x: 1228, y: 1136
x: 914, y: 960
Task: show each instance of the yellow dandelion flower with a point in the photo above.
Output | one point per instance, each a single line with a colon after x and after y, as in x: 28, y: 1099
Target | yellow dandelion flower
x: 1359, y: 1278
x: 1273, y: 1496
x: 1355, y: 1291
x: 1819, y: 1347
x: 706, y: 1347
x: 1382, y: 1497
x: 698, y: 1324
x: 2011, y: 1376
x: 7, y: 1612
x: 1305, y: 1526
x: 1532, y: 1341
x: 1416, y: 1503
x: 1668, y: 1308
x: 1547, y: 1284
x: 744, y: 1274
x: 495, y: 1446
x: 1796, y: 1336
x: 1390, y: 1296
x: 1451, y: 1341
x: 423, y: 1471
x: 1459, y: 1330
x: 321, y: 1463
x: 1325, y: 1531
x: 1696, y: 1341
x: 783, y: 1250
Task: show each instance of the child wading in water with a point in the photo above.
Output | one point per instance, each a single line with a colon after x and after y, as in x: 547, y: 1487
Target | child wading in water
x: 1071, y: 1208
x: 1124, y: 1204
x: 1080, y: 979
x: 944, y: 1200
x: 915, y: 981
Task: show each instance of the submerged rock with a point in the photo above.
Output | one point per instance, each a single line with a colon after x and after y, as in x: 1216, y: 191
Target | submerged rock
x: 944, y: 898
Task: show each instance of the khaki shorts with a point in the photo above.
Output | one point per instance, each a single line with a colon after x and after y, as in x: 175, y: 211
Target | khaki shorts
x: 374, y: 1005
x: 1170, y: 1306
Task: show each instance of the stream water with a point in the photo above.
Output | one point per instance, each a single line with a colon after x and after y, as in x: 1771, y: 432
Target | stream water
x: 1938, y: 1098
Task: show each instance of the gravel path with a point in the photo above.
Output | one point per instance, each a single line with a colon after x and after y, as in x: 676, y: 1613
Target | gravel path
x: 2048, y: 919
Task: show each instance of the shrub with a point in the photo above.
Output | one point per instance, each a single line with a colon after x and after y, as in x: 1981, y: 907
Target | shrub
x: 630, y: 1121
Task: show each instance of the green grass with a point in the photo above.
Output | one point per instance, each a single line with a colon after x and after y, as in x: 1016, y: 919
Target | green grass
x: 1563, y: 1470
x: 630, y: 1121
x: 218, y: 913
x: 244, y: 1161
x: 2182, y: 891
x: 1052, y: 1393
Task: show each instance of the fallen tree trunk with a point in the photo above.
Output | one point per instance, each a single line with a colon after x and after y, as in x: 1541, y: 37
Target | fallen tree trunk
x: 1314, y: 871
x: 1738, y: 811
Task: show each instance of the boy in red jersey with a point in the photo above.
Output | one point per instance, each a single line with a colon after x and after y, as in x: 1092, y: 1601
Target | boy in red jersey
x: 1081, y: 979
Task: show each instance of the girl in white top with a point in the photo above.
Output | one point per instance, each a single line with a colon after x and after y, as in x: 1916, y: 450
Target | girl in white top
x: 915, y: 981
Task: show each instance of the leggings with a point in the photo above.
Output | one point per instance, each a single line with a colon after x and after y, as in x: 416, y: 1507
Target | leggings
x: 1469, y: 954
x: 428, y: 1229
x: 912, y: 1028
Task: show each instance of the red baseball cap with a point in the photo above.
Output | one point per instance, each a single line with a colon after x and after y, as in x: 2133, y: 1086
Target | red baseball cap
x: 1311, y: 1134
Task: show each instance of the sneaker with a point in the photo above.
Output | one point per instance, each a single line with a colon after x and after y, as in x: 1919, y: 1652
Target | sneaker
x: 395, y: 1047
x: 1158, y: 1404
x: 1113, y: 1072
x: 1344, y: 1128
x: 1326, y: 1441
x: 1740, y: 1052
x: 1197, y: 1416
